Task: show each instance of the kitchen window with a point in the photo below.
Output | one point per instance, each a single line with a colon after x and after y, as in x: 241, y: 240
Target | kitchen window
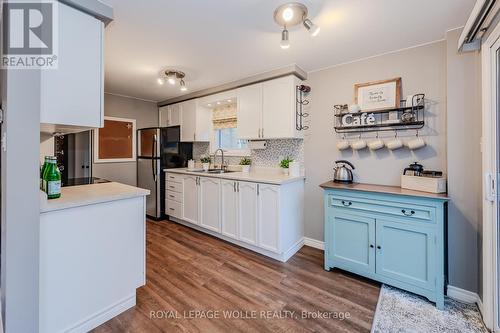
x: 225, y: 134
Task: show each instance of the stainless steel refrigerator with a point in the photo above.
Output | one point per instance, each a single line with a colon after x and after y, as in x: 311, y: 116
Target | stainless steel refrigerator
x: 159, y: 148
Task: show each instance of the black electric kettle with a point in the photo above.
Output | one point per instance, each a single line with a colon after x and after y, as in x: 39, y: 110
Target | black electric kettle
x: 342, y: 173
x: 414, y: 169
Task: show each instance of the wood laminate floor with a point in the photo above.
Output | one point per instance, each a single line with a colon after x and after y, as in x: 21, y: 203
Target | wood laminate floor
x: 194, y: 277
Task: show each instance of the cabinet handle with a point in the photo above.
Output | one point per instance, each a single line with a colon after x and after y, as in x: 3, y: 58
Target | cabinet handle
x: 262, y: 133
x: 172, y: 186
x: 406, y: 213
x: 379, y: 247
x: 170, y: 195
x: 194, y: 136
x: 346, y: 203
x: 234, y: 186
x: 371, y: 245
x: 171, y: 209
x: 172, y: 177
x: 237, y: 187
x: 258, y: 189
x: 259, y: 133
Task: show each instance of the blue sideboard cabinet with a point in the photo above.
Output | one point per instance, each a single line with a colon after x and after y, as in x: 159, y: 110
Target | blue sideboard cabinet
x: 388, y: 234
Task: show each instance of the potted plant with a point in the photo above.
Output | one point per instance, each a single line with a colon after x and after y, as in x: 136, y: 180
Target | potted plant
x: 205, y: 162
x: 285, y: 164
x: 245, y: 164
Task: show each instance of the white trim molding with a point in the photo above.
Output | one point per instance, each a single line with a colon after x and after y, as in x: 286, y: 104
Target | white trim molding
x: 314, y: 243
x: 463, y: 295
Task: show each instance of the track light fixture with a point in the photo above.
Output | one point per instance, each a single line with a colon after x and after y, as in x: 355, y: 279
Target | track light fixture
x: 292, y: 14
x: 172, y: 76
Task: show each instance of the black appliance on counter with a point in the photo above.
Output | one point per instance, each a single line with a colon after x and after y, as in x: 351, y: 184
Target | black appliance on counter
x: 159, y: 148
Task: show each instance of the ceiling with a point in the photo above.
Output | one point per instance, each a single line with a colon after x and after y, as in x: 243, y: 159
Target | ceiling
x: 220, y: 41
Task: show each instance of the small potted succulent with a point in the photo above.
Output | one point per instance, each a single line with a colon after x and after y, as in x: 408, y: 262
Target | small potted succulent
x: 285, y: 164
x: 245, y: 164
x: 205, y: 162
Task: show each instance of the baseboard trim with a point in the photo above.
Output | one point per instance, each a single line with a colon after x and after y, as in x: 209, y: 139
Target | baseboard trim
x: 103, y: 316
x: 463, y: 295
x: 314, y: 243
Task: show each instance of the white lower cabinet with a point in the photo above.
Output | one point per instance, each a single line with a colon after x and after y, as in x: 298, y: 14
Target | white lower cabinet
x: 247, y: 211
x: 265, y: 218
x: 209, y: 199
x: 268, y: 201
x: 190, y: 196
x: 229, y: 208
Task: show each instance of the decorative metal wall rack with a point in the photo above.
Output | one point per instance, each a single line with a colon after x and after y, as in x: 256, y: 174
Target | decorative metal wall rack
x: 300, y: 93
x: 407, y: 117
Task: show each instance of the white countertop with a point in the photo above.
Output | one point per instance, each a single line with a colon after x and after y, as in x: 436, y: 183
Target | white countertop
x: 261, y: 175
x: 83, y: 195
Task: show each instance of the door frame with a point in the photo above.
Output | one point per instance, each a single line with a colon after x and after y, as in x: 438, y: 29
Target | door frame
x: 490, y: 299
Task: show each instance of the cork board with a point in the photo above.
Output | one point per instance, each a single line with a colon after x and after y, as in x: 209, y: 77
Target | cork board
x: 115, y: 142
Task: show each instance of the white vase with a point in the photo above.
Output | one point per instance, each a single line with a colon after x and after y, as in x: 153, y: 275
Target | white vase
x: 294, y: 169
x: 206, y: 166
x: 286, y: 171
x: 245, y: 168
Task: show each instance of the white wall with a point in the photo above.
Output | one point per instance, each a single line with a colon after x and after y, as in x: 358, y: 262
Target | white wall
x: 146, y: 115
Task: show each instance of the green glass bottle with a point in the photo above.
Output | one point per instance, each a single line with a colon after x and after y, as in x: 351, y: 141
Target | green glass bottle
x: 42, y: 169
x: 52, y: 179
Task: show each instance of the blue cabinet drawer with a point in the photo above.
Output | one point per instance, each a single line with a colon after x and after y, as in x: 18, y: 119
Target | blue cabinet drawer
x: 398, y: 209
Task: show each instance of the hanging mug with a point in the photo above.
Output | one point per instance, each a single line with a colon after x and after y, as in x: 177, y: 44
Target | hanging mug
x: 394, y: 144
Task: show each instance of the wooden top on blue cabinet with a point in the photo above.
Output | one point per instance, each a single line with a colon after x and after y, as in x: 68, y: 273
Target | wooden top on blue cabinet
x: 384, y: 189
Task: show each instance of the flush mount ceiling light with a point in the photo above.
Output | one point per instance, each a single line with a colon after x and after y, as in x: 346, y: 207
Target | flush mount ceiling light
x: 292, y: 14
x: 172, y: 76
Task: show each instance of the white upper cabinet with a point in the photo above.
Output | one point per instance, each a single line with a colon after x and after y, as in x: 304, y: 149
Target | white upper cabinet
x: 278, y: 110
x: 196, y: 122
x: 267, y: 110
x: 170, y: 115
x: 72, y: 94
x: 249, y: 111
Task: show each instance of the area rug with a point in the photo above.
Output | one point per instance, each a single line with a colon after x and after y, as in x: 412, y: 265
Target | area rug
x: 399, y: 311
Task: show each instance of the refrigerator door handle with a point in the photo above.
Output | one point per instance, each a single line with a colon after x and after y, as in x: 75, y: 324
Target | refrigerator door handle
x: 153, y: 159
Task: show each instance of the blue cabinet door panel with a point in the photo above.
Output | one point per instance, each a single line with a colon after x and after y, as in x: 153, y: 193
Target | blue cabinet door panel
x: 352, y: 237
x: 406, y: 253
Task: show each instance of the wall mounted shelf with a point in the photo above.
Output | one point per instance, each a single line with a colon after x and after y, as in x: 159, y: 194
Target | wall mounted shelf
x: 407, y: 117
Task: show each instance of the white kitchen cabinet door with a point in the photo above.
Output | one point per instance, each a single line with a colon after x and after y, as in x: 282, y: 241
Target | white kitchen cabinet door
x: 210, y: 203
x: 73, y: 94
x: 249, y: 112
x: 164, y: 115
x: 278, y: 111
x: 175, y: 114
x: 268, y: 217
x: 188, y: 123
x: 247, y: 212
x: 229, y: 208
x: 190, y: 195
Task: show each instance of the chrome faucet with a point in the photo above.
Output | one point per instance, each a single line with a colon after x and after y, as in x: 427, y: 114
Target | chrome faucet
x: 222, y: 154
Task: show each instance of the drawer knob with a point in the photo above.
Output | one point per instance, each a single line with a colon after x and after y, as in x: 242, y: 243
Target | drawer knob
x: 407, y: 213
x: 371, y: 245
x: 379, y: 247
x: 346, y: 203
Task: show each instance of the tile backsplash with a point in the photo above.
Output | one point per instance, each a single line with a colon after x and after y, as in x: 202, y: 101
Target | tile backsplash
x: 269, y: 157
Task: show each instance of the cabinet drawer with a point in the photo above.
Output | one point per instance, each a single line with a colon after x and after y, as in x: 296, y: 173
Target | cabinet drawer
x: 175, y: 196
x: 174, y: 208
x: 398, y: 209
x: 174, y: 187
x: 174, y: 178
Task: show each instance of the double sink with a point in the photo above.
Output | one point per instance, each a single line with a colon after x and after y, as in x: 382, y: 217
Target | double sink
x: 213, y: 171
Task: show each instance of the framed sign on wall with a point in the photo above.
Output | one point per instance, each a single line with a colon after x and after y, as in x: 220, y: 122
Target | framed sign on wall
x: 116, y: 141
x: 378, y: 95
